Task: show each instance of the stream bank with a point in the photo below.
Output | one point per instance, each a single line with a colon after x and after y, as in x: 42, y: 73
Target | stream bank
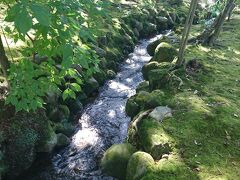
x: 39, y: 132
x: 101, y: 124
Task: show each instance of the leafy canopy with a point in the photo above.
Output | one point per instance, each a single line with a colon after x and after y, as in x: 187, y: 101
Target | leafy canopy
x: 58, y: 31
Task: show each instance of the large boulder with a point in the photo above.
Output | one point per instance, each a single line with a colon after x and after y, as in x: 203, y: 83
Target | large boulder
x: 162, y: 23
x: 150, y: 100
x: 132, y: 108
x: 154, y: 65
x: 153, y: 138
x: 64, y: 127
x: 164, y: 52
x: 48, y: 145
x: 58, y: 113
x: 115, y: 160
x: 100, y: 76
x: 138, y: 165
x: 158, y: 78
x: 153, y: 45
x: 148, y: 67
x: 145, y: 100
x: 23, y: 134
x: 143, y: 86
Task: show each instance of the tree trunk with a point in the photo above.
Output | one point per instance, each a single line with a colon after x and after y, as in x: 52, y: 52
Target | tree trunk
x: 3, y: 59
x: 210, y: 34
x: 186, y: 32
x: 220, y: 23
x: 230, y: 11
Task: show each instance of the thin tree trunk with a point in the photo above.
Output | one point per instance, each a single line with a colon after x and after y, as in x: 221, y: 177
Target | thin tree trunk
x: 186, y: 32
x: 3, y: 59
x: 220, y: 23
x: 230, y: 11
x: 209, y: 35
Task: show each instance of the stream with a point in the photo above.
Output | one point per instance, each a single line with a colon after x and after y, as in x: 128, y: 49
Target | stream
x: 101, y: 124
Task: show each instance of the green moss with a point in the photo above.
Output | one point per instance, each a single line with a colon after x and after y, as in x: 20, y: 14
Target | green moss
x: 164, y: 53
x: 153, y: 138
x: 148, y: 29
x: 64, y: 128
x: 101, y: 77
x: 145, y: 100
x: 115, y: 160
x: 158, y: 78
x: 205, y: 126
x: 153, y: 45
x: 138, y: 165
x: 23, y: 133
x: 143, y: 86
x: 170, y: 169
x: 154, y: 65
x: 132, y: 108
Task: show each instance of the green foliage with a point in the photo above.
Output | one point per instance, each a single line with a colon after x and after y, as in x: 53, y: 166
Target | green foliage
x: 55, y: 30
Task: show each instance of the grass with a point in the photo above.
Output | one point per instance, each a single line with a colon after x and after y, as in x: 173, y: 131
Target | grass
x: 205, y: 129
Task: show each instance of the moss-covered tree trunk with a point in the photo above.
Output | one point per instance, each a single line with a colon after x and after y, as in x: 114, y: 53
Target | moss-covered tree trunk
x: 186, y: 32
x: 3, y: 59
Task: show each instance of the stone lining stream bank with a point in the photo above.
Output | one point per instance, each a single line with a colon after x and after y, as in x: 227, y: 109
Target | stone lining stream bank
x: 101, y: 124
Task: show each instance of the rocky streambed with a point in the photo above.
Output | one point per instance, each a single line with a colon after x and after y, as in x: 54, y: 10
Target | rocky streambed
x: 102, y: 123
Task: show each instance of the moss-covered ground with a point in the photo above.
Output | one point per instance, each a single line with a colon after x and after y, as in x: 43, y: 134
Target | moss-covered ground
x: 205, y: 128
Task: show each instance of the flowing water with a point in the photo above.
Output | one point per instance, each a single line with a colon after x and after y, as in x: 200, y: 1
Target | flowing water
x: 101, y: 124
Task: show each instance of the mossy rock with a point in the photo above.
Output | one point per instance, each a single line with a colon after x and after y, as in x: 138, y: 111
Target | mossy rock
x: 164, y: 52
x: 144, y: 100
x: 153, y: 138
x: 58, y: 113
x: 163, y: 79
x: 162, y: 23
x: 148, y: 67
x: 23, y: 134
x: 148, y: 100
x: 158, y: 78
x: 90, y: 86
x: 103, y: 63
x: 136, y: 32
x: 115, y: 160
x: 132, y: 108
x: 74, y: 105
x: 112, y: 55
x: 99, y: 51
x: 48, y: 145
x: 62, y: 140
x: 154, y: 65
x: 148, y: 30
x: 153, y: 45
x: 138, y: 165
x: 64, y: 127
x: 143, y: 86
x: 136, y: 24
x: 100, y: 76
x: 110, y: 74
